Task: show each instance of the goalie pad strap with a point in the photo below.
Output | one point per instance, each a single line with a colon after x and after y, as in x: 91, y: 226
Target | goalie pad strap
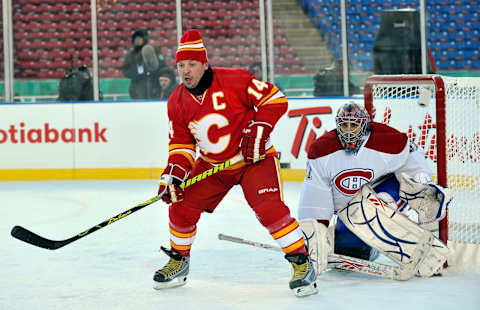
x: 434, y: 259
x: 319, y: 240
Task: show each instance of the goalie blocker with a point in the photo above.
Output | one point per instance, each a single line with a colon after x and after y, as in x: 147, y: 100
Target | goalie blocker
x: 414, y: 249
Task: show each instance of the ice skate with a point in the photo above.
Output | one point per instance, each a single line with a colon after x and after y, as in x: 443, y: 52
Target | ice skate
x: 174, y: 273
x: 303, y: 282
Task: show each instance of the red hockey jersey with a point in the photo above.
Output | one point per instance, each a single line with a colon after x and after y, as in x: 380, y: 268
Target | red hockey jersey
x: 213, y: 122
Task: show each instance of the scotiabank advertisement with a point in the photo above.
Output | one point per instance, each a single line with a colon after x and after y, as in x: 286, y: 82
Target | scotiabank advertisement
x: 83, y: 135
x: 130, y: 134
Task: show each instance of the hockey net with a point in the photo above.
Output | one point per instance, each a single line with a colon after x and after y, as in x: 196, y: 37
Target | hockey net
x: 442, y: 115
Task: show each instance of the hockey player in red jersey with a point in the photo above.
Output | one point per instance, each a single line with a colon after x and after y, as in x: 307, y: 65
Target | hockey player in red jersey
x: 362, y: 174
x: 215, y: 115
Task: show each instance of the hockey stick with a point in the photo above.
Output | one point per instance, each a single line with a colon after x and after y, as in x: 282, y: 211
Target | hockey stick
x: 337, y: 261
x: 28, y: 236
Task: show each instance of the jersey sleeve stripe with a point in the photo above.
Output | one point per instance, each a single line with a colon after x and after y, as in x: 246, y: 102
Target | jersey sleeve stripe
x: 187, y: 156
x: 187, y: 151
x: 276, y: 101
x: 273, y: 95
x: 181, y: 146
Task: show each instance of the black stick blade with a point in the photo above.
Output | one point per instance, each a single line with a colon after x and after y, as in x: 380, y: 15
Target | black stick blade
x: 26, y: 235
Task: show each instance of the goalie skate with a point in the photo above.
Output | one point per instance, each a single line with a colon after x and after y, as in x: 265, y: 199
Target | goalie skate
x: 174, y: 273
x: 303, y: 282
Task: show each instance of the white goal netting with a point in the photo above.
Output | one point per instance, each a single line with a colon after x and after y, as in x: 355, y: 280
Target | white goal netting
x: 442, y: 115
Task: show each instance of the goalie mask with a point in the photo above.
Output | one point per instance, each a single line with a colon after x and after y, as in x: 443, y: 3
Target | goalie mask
x: 352, y: 126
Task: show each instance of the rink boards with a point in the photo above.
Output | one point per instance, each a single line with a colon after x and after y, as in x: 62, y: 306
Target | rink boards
x: 127, y: 140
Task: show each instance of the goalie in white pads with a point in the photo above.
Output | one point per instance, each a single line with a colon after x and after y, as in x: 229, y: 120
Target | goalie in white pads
x: 365, y: 172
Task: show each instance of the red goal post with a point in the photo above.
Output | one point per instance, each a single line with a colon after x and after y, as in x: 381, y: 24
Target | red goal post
x: 442, y: 115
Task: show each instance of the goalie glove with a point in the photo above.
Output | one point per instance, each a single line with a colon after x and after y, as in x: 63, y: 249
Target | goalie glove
x: 429, y: 200
x: 254, y: 139
x: 172, y: 177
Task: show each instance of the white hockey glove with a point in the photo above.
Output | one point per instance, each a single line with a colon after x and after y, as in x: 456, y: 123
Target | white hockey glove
x: 429, y: 200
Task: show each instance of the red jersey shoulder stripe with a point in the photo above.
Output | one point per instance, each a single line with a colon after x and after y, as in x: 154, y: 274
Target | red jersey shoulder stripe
x: 325, y: 145
x: 386, y: 139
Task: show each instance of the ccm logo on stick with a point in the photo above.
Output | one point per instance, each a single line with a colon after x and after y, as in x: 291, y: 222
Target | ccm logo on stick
x: 349, y: 181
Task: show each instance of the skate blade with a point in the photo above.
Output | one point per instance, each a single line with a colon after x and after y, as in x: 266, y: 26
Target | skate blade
x: 170, y: 284
x: 306, y: 290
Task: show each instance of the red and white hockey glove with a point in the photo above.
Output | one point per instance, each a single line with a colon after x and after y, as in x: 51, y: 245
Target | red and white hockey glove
x: 169, y: 189
x: 254, y: 138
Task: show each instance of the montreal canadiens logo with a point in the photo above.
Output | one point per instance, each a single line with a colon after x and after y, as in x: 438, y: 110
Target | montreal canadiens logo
x: 349, y: 181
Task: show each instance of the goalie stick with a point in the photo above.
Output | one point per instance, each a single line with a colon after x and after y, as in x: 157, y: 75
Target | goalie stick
x: 337, y: 261
x: 28, y: 236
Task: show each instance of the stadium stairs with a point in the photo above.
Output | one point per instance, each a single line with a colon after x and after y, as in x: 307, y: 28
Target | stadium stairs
x: 302, y: 34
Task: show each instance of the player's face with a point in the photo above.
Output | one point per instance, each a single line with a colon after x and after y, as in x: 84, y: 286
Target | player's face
x: 350, y: 129
x: 191, y: 71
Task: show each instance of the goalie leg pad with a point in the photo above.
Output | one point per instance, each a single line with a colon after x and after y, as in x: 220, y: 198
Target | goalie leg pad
x: 347, y: 243
x: 319, y: 240
x: 433, y: 262
x: 430, y: 201
x: 386, y: 230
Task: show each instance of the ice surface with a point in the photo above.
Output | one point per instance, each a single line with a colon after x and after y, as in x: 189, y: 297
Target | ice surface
x: 113, y: 267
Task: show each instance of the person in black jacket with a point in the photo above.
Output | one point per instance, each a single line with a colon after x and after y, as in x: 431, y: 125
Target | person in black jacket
x: 77, y: 85
x: 141, y: 66
x: 329, y: 81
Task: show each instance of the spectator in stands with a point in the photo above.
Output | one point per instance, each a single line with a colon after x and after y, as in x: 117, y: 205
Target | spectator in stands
x: 141, y: 66
x: 329, y: 81
x: 167, y: 83
x: 76, y: 85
